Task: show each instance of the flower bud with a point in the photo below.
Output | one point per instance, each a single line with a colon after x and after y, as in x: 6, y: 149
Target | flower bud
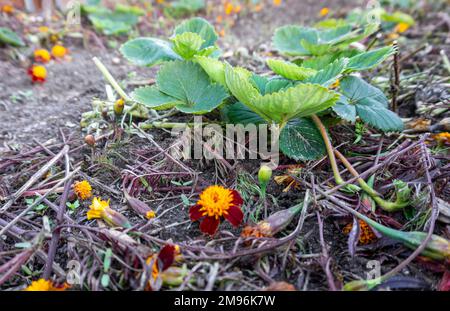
x: 118, y: 106
x: 264, y: 175
x: 90, y: 140
x: 139, y: 207
x: 174, y: 276
x: 100, y: 209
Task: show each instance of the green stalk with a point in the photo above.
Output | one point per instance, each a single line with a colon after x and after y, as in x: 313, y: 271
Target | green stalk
x: 385, y: 205
x: 337, y: 175
x: 111, y: 79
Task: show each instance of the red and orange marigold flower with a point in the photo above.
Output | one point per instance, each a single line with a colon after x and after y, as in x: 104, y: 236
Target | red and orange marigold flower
x: 37, y: 73
x: 217, y: 202
x: 42, y: 56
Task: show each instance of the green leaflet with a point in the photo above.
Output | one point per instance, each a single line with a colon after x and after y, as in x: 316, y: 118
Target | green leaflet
x: 10, y: 37
x: 368, y: 60
x: 330, y: 73
x: 187, y: 44
x: 298, y: 101
x: 189, y: 84
x: 287, y: 39
x: 201, y: 27
x: 213, y: 67
x: 379, y: 117
x: 345, y: 110
x: 301, y: 140
x: 239, y: 113
x: 152, y: 97
x: 370, y: 103
x: 289, y: 70
x: 148, y: 51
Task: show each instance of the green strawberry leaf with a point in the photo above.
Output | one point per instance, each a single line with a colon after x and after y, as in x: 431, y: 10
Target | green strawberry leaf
x: 329, y: 74
x: 189, y: 83
x: 201, y: 27
x: 368, y: 60
x: 213, y: 67
x: 239, y: 113
x: 187, y: 44
x: 301, y: 140
x: 287, y: 39
x: 379, y: 117
x: 148, y: 51
x: 289, y: 70
x: 153, y: 98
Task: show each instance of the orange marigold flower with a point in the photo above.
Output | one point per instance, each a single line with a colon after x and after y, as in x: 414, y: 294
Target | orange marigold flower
x: 217, y: 202
x: 8, y: 9
x: 58, y: 51
x: 222, y: 33
x: 42, y: 55
x: 366, y: 234
x: 324, y: 11
x: 162, y: 261
x: 83, y: 189
x: 237, y: 9
x: 258, y: 7
x: 99, y: 209
x: 42, y: 285
x: 401, y: 27
x: 442, y: 138
x: 219, y: 19
x: 277, y: 2
x: 37, y: 73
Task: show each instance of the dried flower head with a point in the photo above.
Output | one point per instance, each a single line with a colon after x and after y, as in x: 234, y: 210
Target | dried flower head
x: 43, y: 285
x: 37, y: 73
x: 217, y: 202
x: 287, y: 180
x: 42, y: 55
x: 99, y: 209
x: 366, y: 235
x: 59, y: 51
x: 83, y: 189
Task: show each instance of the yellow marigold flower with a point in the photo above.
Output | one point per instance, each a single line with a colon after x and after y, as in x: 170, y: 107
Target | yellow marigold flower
x: 42, y: 285
x: 228, y: 8
x: 401, y: 27
x: 237, y: 9
x: 277, y: 2
x: 59, y: 51
x: 324, y: 11
x: 8, y: 9
x: 97, y: 208
x: 37, y: 73
x: 43, y: 29
x: 366, y: 235
x: 42, y: 55
x: 83, y: 189
x: 150, y: 214
x: 442, y: 138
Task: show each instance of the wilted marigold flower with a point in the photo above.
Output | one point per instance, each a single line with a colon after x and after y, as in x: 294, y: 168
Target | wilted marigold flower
x: 43, y: 285
x: 366, y: 235
x: 401, y: 27
x: 37, y: 73
x: 288, y: 180
x: 8, y: 9
x: 99, y: 209
x: 324, y: 11
x: 83, y: 189
x: 42, y: 55
x: 58, y: 51
x: 162, y: 261
x: 150, y: 214
x: 217, y: 202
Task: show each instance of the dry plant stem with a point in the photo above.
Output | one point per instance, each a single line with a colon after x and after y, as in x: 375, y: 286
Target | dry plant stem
x: 59, y: 220
x: 395, y: 85
x: 325, y: 259
x: 39, y: 200
x: 331, y: 157
x: 33, y: 179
